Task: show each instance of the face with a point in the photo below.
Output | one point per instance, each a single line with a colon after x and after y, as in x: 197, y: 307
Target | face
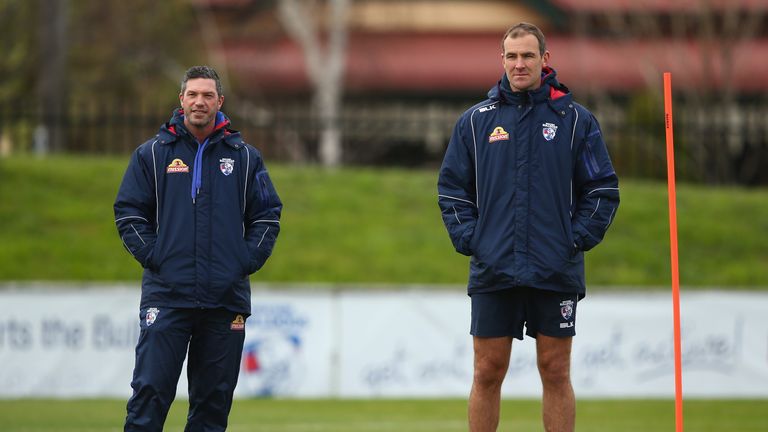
x: 523, y: 63
x: 201, y: 102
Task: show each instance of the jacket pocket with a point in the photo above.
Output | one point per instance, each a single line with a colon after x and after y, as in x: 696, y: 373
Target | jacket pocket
x: 244, y: 258
x: 473, y: 238
x: 573, y: 248
x: 158, y: 253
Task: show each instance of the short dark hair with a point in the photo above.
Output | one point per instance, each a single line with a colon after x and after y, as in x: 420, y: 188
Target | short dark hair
x: 202, y: 72
x: 524, y: 28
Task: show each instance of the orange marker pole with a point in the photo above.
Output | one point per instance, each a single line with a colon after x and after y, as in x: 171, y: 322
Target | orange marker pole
x: 673, y: 251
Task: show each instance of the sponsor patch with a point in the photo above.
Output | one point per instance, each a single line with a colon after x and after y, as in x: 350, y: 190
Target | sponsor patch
x: 226, y: 166
x: 498, y: 134
x: 177, y: 166
x: 549, y: 130
x: 151, y: 317
x: 566, y: 309
x: 238, y: 323
x: 487, y: 108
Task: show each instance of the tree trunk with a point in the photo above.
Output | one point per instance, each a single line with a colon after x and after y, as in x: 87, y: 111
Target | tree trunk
x: 52, y: 90
x: 325, y: 67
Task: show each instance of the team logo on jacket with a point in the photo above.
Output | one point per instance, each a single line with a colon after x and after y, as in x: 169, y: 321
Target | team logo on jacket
x: 151, y: 316
x: 177, y: 166
x: 238, y: 323
x: 549, y: 130
x: 566, y: 309
x: 498, y: 134
x: 226, y: 166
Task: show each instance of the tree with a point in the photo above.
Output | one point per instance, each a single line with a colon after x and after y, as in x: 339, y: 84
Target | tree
x: 52, y: 88
x: 18, y: 67
x: 325, y: 64
x: 66, y: 63
x: 718, y: 144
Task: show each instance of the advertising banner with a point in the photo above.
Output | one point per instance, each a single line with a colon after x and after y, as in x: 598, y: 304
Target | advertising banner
x: 79, y: 342
x: 417, y: 344
x: 289, y: 339
x: 408, y: 343
x: 67, y: 343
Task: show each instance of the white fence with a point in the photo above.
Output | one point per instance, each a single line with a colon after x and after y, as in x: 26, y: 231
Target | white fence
x: 66, y: 342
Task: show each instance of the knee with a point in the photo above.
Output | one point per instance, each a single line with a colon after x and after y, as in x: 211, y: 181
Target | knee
x: 555, y: 369
x: 490, y: 372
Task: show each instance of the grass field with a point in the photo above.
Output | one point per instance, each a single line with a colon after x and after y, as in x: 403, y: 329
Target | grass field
x: 361, y: 225
x: 364, y: 225
x: 393, y: 416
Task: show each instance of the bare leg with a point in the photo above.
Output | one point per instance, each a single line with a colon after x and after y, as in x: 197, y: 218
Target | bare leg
x: 559, y: 403
x: 491, y: 363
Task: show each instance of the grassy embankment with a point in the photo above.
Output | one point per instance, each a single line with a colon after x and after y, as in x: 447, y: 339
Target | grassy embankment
x: 364, y: 225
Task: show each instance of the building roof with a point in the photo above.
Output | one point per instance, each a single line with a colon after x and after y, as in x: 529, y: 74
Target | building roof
x: 469, y: 63
x: 607, y: 6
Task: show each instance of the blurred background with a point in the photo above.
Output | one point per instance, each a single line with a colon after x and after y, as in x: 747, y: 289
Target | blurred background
x: 352, y: 103
x: 382, y: 82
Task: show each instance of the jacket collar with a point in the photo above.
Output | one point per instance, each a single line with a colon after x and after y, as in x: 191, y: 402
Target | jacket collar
x: 550, y: 91
x: 174, y: 129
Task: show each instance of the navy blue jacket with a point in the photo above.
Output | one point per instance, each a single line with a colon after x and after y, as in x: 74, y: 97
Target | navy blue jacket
x: 197, y: 245
x: 526, y: 187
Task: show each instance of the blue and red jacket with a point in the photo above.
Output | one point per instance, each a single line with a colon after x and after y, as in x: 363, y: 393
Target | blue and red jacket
x: 199, y: 217
x: 526, y: 186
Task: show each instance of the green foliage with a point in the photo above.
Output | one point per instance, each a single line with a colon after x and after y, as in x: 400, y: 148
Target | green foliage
x: 118, y: 51
x: 132, y: 52
x: 638, y: 146
x: 19, y: 48
x: 364, y: 225
x: 386, y: 415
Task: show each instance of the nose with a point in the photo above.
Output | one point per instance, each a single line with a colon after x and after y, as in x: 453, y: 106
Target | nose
x: 198, y: 104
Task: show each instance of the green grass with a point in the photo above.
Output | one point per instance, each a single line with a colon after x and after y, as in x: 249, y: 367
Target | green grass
x: 325, y: 415
x: 365, y: 225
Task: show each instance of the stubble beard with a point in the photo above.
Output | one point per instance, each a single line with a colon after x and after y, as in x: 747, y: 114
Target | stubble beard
x: 202, y: 123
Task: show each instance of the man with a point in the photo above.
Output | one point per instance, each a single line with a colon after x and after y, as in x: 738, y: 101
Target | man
x: 198, y: 211
x: 525, y: 188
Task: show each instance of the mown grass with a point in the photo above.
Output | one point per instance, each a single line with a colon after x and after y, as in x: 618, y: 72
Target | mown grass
x: 383, y: 415
x: 366, y: 225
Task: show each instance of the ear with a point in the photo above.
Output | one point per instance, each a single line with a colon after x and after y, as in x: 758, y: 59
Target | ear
x: 545, y: 58
x: 221, y: 101
x: 181, y: 100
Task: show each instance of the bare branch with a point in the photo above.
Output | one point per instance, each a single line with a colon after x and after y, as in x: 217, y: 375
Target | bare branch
x: 302, y: 28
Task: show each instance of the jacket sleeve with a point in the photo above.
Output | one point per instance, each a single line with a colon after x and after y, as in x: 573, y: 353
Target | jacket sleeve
x: 135, y: 210
x: 596, y: 189
x: 457, y: 196
x: 262, y: 215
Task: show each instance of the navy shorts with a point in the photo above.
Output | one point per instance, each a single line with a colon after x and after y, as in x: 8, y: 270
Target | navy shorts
x: 503, y: 313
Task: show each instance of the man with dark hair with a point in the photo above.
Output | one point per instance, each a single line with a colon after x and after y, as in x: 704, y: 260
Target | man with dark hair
x: 197, y: 209
x: 202, y: 72
x: 526, y: 187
